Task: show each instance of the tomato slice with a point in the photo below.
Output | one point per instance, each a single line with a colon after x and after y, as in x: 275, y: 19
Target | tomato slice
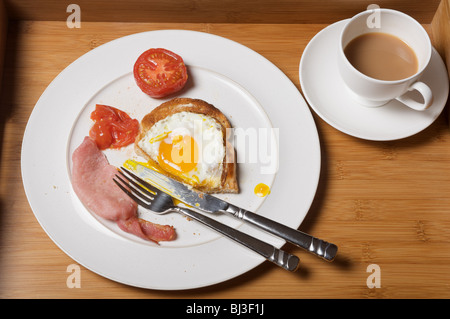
x: 160, y: 72
x: 113, y: 128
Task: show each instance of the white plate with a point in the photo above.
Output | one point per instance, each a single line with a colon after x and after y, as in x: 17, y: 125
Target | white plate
x: 329, y: 98
x: 250, y: 90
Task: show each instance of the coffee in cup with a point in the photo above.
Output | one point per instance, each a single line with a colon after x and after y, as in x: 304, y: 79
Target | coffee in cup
x: 382, y: 56
x: 379, y: 64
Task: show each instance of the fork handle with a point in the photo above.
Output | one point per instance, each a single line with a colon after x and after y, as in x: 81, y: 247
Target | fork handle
x: 271, y: 253
x: 312, y: 244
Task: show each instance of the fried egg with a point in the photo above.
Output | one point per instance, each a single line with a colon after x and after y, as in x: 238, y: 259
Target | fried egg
x: 189, y: 146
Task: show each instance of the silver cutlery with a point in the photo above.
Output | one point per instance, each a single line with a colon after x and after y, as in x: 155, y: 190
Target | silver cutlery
x: 208, y: 203
x: 159, y: 202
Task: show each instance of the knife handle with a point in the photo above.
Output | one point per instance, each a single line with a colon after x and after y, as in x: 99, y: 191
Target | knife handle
x: 277, y: 256
x: 312, y: 244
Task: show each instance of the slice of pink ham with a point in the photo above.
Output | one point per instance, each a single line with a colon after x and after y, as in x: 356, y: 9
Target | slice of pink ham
x: 92, y: 181
x: 147, y: 230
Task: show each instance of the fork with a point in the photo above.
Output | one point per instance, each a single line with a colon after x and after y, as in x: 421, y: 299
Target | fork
x: 159, y: 202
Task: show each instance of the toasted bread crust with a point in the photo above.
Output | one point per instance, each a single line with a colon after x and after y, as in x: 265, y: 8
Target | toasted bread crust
x: 229, y: 182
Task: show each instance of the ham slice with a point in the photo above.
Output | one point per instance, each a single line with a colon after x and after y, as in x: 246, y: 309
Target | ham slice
x: 92, y: 181
x: 147, y: 230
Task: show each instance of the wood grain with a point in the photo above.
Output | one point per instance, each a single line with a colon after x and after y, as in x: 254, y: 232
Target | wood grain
x: 3, y: 33
x: 213, y: 11
x: 441, y: 30
x: 383, y: 203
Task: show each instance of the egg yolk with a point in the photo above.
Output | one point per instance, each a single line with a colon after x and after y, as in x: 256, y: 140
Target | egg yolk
x: 179, y: 155
x: 262, y: 190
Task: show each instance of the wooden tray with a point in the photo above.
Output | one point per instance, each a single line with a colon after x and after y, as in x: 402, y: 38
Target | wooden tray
x: 382, y: 203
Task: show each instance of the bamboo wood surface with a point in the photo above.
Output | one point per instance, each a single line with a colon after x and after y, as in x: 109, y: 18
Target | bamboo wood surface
x: 441, y: 30
x: 384, y: 203
x: 213, y: 11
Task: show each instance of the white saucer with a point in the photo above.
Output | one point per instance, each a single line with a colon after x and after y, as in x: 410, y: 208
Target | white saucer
x: 329, y: 98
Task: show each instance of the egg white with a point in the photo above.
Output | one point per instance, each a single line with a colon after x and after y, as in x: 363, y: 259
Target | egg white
x: 208, y: 135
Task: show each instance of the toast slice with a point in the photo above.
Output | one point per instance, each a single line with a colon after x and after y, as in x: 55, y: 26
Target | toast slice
x: 228, y: 181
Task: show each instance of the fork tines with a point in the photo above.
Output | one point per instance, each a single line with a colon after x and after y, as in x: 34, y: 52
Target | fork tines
x: 138, y: 189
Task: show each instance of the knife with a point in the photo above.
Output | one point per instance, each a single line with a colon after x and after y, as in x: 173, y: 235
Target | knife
x: 208, y: 203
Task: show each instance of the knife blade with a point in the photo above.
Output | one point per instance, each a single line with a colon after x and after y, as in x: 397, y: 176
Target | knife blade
x: 211, y: 204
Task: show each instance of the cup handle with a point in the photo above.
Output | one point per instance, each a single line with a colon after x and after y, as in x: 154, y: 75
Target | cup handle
x: 426, y: 93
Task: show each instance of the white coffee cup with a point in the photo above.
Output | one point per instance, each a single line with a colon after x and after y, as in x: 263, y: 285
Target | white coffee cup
x: 373, y: 92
